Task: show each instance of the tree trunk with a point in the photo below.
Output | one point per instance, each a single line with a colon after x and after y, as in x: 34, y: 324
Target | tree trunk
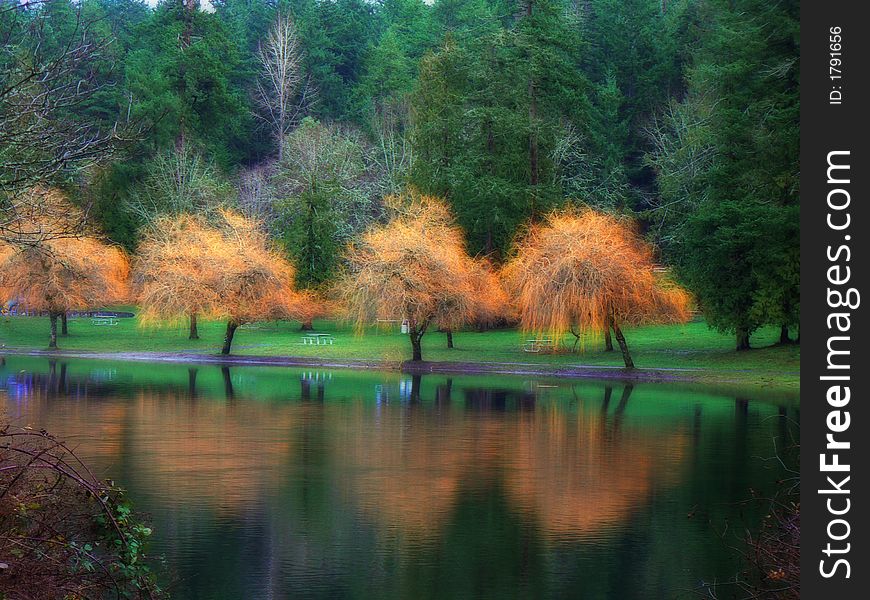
x: 191, y: 382
x: 307, y: 325
x: 626, y: 357
x: 64, y: 330
x: 52, y: 319
x: 742, y: 339
x: 533, y: 147
x: 194, y: 332
x: 228, y: 337
x: 189, y: 8
x: 443, y: 395
x: 415, y: 387
x: 783, y: 335
x: 449, y: 333
x: 619, y: 413
x: 187, y: 33
x: 533, y: 136
x: 417, y: 350
x: 576, y: 339
x: 229, y: 392
x: 416, y: 335
x: 608, y: 341
x: 623, y: 400
x: 533, y: 130
x: 310, y: 251
x: 608, y: 392
x: 490, y: 147
x: 52, y: 374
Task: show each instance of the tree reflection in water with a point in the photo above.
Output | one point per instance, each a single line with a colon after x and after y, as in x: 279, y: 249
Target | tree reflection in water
x: 268, y: 481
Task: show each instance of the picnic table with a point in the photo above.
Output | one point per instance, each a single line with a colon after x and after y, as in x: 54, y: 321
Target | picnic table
x: 318, y: 339
x: 536, y: 346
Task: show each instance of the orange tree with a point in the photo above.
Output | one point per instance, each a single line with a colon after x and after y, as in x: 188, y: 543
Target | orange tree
x: 583, y: 271
x: 227, y: 270
x: 491, y: 299
x: 175, y: 268
x: 414, y: 267
x: 256, y: 281
x: 60, y: 273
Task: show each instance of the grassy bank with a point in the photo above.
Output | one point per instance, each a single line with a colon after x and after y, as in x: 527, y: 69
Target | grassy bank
x: 707, y: 355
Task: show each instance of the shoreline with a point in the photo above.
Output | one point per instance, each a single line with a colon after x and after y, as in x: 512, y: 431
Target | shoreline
x: 638, y: 375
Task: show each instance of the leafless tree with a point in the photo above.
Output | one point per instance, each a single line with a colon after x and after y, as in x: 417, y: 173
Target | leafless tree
x: 334, y: 162
x: 257, y: 194
x: 393, y: 153
x: 585, y: 176
x: 322, y: 155
x: 41, y: 87
x: 283, y: 93
x: 682, y: 154
x: 180, y: 181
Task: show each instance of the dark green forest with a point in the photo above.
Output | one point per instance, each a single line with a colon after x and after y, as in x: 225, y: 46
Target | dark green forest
x: 306, y: 114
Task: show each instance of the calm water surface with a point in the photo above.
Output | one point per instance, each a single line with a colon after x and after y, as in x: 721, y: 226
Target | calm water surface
x: 286, y: 483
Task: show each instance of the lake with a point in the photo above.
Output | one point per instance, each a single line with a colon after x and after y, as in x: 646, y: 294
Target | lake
x: 267, y: 482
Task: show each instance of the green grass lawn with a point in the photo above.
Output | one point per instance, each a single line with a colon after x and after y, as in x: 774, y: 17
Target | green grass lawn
x: 689, y: 346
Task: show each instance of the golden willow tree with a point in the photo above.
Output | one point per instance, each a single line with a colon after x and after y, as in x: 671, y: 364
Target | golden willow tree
x: 174, y: 270
x: 57, y: 274
x: 490, y: 301
x: 416, y: 267
x: 587, y: 272
x: 228, y: 270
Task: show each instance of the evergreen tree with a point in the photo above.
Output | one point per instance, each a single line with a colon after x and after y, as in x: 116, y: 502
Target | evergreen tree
x: 187, y: 78
x: 490, y: 115
x: 324, y: 197
x: 336, y: 36
x: 737, y: 247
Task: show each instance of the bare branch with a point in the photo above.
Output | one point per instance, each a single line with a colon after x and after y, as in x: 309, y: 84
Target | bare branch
x: 41, y: 88
x: 282, y: 92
